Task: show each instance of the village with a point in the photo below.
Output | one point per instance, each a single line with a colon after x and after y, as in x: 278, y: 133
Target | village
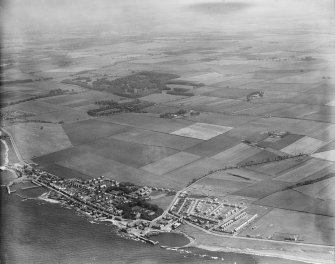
x: 211, y: 214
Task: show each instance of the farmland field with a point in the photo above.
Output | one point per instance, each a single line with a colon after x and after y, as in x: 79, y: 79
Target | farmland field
x: 326, y: 155
x: 303, y: 145
x: 152, y: 138
x: 217, y: 187
x: 279, y: 143
x: 89, y: 130
x: 304, y: 170
x: 322, y: 189
x: 36, y: 139
x: 236, y: 154
x: 204, y: 99
x: 170, y: 163
x: 194, y: 170
x: 213, y: 146
x: 129, y: 153
x: 148, y: 122
x: 262, y: 189
x: 201, y: 131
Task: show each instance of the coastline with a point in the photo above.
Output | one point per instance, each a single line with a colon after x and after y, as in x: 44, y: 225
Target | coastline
x: 294, y: 256
x: 264, y: 253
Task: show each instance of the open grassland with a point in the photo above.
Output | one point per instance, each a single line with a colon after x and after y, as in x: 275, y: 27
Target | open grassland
x: 313, y: 229
x: 304, y: 170
x: 202, y: 131
x: 170, y: 163
x: 153, y: 138
x: 89, y: 130
x: 236, y: 154
x: 34, y: 139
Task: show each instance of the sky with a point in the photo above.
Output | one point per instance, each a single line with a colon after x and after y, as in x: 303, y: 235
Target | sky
x: 146, y: 15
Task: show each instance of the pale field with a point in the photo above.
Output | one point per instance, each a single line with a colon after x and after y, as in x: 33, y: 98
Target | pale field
x: 170, y: 163
x: 326, y: 155
x: 236, y: 154
x: 35, y: 139
x: 202, y: 131
x: 304, y: 145
x: 306, y: 169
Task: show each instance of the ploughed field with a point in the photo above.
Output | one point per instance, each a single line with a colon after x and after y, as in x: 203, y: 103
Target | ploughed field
x: 172, y: 117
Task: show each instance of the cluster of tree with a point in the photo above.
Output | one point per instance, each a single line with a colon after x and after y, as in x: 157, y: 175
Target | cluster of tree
x: 125, y: 187
x: 49, y: 94
x: 180, y: 93
x: 180, y: 112
x: 182, y: 82
x: 110, y: 107
x: 77, y: 82
x: 58, y: 91
x: 129, y: 212
x: 135, y: 85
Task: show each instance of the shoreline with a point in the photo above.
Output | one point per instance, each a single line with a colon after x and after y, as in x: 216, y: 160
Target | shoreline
x: 294, y: 256
x: 265, y: 253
